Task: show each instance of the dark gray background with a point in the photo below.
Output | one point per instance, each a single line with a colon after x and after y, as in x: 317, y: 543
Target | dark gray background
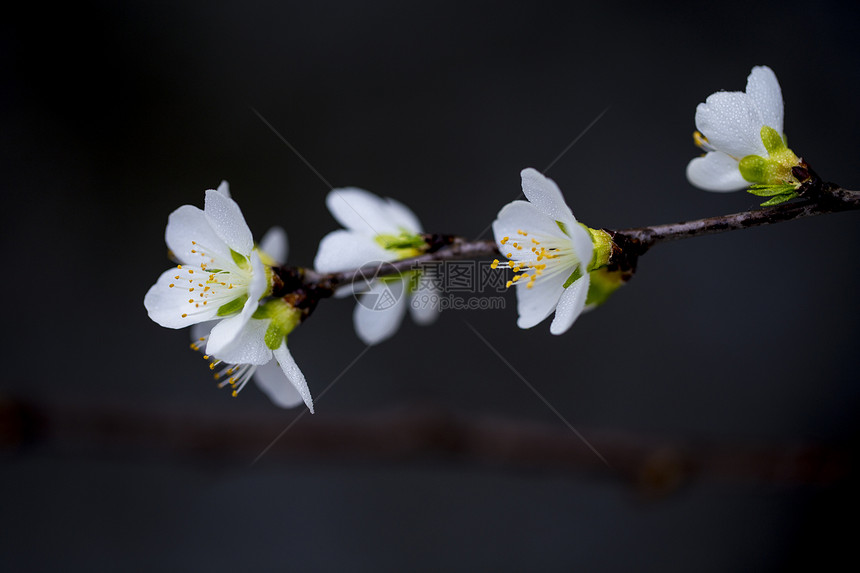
x: 114, y: 115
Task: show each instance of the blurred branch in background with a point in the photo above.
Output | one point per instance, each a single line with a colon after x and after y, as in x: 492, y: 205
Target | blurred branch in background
x: 653, y: 465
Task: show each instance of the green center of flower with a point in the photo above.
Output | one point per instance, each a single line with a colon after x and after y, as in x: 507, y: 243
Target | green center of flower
x: 404, y: 244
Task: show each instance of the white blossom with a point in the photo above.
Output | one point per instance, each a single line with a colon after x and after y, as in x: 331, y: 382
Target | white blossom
x: 377, y: 230
x: 742, y: 134
x: 549, y: 252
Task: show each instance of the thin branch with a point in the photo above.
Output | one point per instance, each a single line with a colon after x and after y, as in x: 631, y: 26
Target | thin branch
x: 655, y: 465
x: 649, y: 236
x: 305, y: 287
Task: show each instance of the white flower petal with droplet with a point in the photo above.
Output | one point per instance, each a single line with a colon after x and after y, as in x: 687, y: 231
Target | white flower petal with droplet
x: 228, y: 223
x: 272, y: 381
x: 294, y: 374
x: 766, y: 95
x: 716, y: 171
x: 570, y: 305
x: 731, y: 123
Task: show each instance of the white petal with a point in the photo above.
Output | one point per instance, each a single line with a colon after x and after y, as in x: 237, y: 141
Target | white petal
x: 188, y: 230
x: 731, y: 123
x: 275, y: 244
x: 227, y: 334
x: 271, y: 380
x: 166, y: 305
x: 350, y: 289
x: 570, y: 305
x: 582, y: 245
x: 424, y: 304
x: 522, y: 215
x: 359, y: 210
x: 536, y: 303
x: 228, y: 223
x: 402, y: 217
x: 543, y: 193
x: 380, y: 311
x: 259, y: 280
x: 763, y: 89
x: 224, y: 189
x: 294, y: 374
x: 344, y: 250
x: 247, y: 347
x: 716, y: 171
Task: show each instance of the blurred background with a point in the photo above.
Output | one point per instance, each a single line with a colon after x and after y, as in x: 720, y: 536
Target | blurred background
x: 720, y: 384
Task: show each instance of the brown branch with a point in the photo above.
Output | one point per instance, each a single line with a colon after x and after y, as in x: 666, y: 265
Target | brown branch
x: 654, y: 465
x: 305, y: 287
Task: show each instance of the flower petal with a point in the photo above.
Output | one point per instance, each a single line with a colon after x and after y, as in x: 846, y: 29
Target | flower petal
x: 380, y: 311
x: 424, y: 304
x: 169, y: 306
x: 402, y: 217
x: 294, y: 374
x: 224, y: 188
x: 543, y: 193
x: 522, y: 215
x: 271, y: 380
x: 344, y: 250
x: 227, y: 333
x: 763, y: 89
x: 189, y: 230
x: 732, y: 124
x: 228, y: 223
x: 274, y: 243
x: 359, y: 210
x: 536, y: 303
x: 582, y: 245
x: 570, y: 305
x: 716, y: 171
x: 248, y: 346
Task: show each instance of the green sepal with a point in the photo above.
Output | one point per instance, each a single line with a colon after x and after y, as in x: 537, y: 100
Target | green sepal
x: 602, y: 242
x: 405, y: 244
x: 233, y: 306
x: 574, y: 276
x: 771, y: 190
x: 754, y: 168
x: 602, y: 283
x: 772, y: 140
x: 562, y: 227
x: 241, y: 260
x: 284, y: 319
x: 779, y: 199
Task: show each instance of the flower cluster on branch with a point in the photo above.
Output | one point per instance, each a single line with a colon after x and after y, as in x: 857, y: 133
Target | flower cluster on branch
x: 242, y: 301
